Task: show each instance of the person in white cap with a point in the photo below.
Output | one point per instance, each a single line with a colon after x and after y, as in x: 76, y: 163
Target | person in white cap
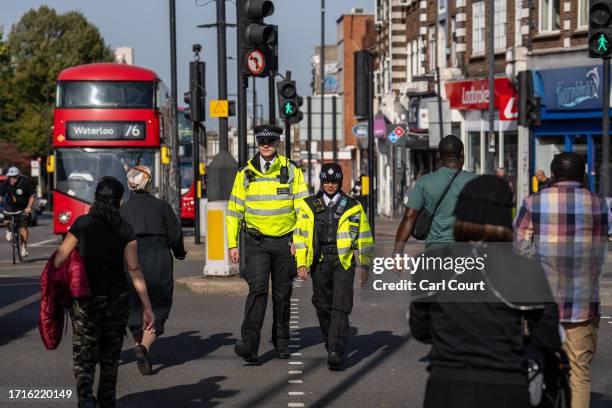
x: 19, y: 194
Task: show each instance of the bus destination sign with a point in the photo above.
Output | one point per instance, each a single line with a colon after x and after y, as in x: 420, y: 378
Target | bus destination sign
x: 105, y: 130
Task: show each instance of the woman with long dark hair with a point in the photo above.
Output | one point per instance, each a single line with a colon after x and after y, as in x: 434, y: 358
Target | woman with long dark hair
x: 159, y: 234
x: 106, y: 244
x: 480, y: 332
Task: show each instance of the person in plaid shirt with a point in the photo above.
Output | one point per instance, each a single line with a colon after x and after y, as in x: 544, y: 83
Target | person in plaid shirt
x: 565, y: 227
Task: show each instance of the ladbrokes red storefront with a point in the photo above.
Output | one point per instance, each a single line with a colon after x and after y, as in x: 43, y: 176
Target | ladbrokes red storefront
x: 471, y: 99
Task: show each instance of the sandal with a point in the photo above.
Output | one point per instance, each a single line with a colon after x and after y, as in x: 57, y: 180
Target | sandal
x: 143, y: 360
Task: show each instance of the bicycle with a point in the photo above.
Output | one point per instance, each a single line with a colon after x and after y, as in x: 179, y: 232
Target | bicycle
x: 14, y: 227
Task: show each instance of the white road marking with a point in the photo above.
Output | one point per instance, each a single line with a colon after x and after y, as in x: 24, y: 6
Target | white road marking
x: 48, y: 241
x: 19, y: 304
x: 295, y: 393
x: 295, y: 300
x: 293, y: 312
x: 295, y: 372
x: 296, y: 354
x: 294, y: 327
x: 20, y: 267
x: 295, y: 404
x: 296, y: 381
x: 6, y: 285
x: 296, y: 363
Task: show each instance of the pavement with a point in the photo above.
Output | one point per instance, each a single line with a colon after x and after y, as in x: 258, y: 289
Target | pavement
x: 194, y: 363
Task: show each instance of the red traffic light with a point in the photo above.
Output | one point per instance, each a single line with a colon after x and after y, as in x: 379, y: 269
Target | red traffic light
x: 258, y: 9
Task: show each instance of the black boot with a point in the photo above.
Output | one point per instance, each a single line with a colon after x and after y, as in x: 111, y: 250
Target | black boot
x: 243, y: 350
x: 334, y: 361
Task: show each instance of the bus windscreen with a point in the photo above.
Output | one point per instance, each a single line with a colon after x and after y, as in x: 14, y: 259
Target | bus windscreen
x: 106, y: 94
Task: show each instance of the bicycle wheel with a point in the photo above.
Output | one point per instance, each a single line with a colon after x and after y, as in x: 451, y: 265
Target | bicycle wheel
x: 15, y: 244
x: 18, y: 244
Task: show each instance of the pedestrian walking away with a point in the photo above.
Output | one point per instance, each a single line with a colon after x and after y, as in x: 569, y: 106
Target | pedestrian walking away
x: 330, y: 227
x: 263, y: 204
x: 436, y: 194
x: 20, y: 195
x: 105, y: 243
x: 565, y: 227
x: 478, y: 338
x: 159, y: 236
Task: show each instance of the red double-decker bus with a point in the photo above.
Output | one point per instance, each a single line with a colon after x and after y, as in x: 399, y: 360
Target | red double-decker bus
x: 108, y: 118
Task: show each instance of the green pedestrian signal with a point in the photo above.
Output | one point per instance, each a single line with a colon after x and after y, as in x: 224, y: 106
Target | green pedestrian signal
x: 289, y: 108
x: 602, y: 43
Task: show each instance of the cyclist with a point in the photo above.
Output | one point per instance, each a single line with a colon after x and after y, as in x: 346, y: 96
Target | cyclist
x: 20, y: 195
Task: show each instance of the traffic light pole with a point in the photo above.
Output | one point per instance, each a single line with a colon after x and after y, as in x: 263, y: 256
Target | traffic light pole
x: 272, y: 98
x: 371, y: 158
x: 197, y: 182
x: 242, y: 87
x: 604, y: 183
x: 309, y: 146
x: 175, y: 174
x: 222, y: 72
x: 334, y: 130
x: 287, y: 139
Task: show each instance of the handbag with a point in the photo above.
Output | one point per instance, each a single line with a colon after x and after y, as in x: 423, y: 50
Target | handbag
x: 422, y: 225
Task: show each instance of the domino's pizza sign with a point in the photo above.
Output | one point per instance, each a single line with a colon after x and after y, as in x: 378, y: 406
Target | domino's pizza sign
x: 397, y: 133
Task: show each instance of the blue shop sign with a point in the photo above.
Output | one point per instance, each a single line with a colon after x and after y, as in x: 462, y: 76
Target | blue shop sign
x: 571, y: 89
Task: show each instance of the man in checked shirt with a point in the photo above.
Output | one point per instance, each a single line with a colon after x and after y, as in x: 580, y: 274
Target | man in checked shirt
x: 566, y: 228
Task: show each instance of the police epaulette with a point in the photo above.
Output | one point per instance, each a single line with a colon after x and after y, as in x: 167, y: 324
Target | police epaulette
x: 248, y: 173
x: 294, y: 163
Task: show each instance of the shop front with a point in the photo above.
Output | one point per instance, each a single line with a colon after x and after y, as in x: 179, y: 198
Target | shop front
x: 571, y: 100
x: 471, y: 99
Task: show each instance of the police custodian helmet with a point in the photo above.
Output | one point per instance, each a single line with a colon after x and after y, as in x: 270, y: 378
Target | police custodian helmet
x: 331, y: 172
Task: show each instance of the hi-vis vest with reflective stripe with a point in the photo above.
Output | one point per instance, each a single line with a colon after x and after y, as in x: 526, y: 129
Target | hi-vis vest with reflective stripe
x: 353, y: 234
x: 264, y: 202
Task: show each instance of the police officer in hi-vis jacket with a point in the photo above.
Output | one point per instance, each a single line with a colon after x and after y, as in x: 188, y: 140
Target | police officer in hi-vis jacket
x: 264, y: 201
x: 330, y: 227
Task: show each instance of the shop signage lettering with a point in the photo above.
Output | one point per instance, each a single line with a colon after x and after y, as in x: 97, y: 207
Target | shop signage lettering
x: 474, y: 95
x: 573, y: 89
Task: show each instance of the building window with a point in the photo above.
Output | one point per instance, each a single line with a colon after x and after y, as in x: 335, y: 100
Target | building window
x: 442, y: 44
x: 500, y: 24
x: 478, y: 28
x: 420, y: 57
x: 414, y: 67
x: 453, y: 42
x: 583, y: 13
x: 441, y: 6
x: 549, y: 15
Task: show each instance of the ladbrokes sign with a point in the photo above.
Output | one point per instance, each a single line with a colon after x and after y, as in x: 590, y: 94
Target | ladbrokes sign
x: 474, y: 95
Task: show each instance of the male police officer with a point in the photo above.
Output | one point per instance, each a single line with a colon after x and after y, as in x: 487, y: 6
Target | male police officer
x: 330, y: 227
x: 264, y: 201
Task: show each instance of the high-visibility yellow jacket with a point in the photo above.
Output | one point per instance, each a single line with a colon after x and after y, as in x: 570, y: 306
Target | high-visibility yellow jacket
x: 353, y: 234
x: 266, y: 201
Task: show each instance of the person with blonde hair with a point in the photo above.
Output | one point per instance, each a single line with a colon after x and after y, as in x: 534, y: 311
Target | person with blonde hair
x: 159, y: 235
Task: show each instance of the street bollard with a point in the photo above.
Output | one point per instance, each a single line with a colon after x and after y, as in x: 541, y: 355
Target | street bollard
x: 217, y: 259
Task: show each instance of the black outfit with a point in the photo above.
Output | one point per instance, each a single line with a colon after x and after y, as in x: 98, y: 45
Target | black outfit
x: 17, y: 196
x: 159, y: 235
x: 99, y: 321
x: 332, y: 284
x: 477, y: 356
x: 267, y: 256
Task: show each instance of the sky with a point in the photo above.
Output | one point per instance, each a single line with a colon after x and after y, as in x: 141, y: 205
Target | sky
x: 144, y: 25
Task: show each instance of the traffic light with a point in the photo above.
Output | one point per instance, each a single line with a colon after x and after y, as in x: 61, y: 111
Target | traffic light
x: 259, y: 40
x: 289, y: 101
x: 195, y: 98
x: 529, y: 104
x: 600, y: 28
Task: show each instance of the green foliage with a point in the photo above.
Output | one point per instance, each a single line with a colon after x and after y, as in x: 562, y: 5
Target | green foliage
x: 37, y: 49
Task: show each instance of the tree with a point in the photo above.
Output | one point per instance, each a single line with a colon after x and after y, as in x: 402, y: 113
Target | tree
x: 40, y: 45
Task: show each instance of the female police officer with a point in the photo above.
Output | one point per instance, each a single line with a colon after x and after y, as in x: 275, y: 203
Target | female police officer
x: 264, y: 201
x: 330, y: 227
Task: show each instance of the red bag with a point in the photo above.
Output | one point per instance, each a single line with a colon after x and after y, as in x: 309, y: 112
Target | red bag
x: 58, y: 287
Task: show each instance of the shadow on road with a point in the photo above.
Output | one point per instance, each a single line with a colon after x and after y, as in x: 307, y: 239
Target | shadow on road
x: 18, y: 321
x: 206, y: 393
x: 600, y: 401
x: 181, y: 348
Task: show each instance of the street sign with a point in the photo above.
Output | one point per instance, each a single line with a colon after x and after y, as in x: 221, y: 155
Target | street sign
x: 256, y: 62
x: 35, y: 168
x: 393, y: 136
x: 219, y: 109
x: 399, y: 131
x: 361, y: 129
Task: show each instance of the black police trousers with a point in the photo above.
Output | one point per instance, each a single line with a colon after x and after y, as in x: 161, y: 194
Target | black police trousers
x: 333, y: 299
x: 264, y: 257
